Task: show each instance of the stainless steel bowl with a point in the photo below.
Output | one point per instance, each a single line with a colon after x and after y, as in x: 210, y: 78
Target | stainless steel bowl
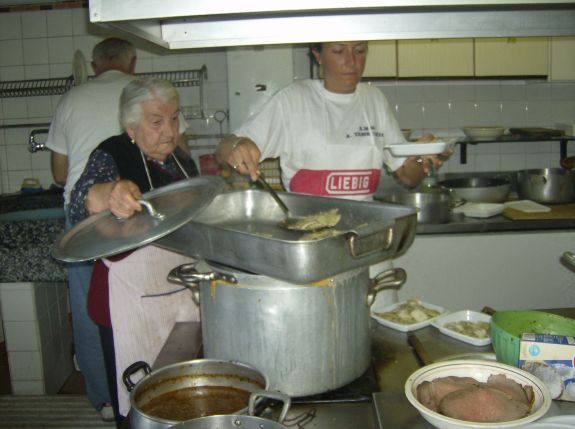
x: 479, y: 189
x: 432, y: 207
x: 547, y: 185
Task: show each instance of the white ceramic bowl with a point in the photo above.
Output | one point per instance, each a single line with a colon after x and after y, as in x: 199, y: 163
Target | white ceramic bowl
x: 406, y: 133
x: 483, y: 133
x: 479, y: 370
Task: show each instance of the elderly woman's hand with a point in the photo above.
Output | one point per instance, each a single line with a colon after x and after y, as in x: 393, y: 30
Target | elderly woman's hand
x: 120, y: 197
x: 123, y: 200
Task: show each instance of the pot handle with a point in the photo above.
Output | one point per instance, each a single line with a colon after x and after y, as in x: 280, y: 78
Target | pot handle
x: 131, y: 370
x: 537, y: 180
x: 458, y: 202
x: 372, y: 238
x: 278, y: 396
x: 188, y: 276
x: 569, y: 258
x: 388, y: 279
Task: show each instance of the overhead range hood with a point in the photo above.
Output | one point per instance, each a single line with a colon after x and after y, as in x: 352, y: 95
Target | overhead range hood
x: 185, y: 24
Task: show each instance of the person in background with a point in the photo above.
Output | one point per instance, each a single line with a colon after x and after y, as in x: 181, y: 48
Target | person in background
x: 321, y: 127
x: 85, y: 116
x: 144, y: 157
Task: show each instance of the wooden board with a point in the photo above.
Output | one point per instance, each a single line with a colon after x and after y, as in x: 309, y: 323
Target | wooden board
x: 558, y: 211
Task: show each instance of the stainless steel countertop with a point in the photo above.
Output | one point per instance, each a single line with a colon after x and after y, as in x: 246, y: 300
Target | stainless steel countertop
x: 459, y: 223
x: 394, y: 360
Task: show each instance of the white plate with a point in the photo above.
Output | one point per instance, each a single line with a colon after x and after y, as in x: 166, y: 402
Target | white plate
x: 416, y: 149
x: 479, y: 370
x: 528, y: 206
x: 460, y: 316
x: 79, y: 68
x: 404, y: 327
x: 481, y: 210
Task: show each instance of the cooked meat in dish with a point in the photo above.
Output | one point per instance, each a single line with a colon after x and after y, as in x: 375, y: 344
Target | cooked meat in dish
x: 430, y: 393
x: 513, y: 389
x: 499, y: 399
x: 484, y: 404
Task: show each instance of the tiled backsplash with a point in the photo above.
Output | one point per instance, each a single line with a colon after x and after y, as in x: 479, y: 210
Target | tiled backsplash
x: 41, y: 44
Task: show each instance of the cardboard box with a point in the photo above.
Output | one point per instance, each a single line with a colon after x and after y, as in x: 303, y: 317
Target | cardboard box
x: 551, y: 358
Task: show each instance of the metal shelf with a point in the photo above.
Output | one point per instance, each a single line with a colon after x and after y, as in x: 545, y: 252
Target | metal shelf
x: 36, y: 87
x: 507, y: 139
x: 57, y: 86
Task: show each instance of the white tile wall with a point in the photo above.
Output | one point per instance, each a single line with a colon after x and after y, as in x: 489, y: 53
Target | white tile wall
x: 443, y: 108
x: 41, y: 44
x: 38, y: 336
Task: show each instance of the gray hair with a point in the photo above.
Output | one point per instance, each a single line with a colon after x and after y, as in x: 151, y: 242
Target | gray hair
x: 113, y: 51
x: 141, y: 90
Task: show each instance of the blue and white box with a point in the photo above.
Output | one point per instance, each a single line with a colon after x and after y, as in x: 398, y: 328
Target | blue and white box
x: 551, y: 358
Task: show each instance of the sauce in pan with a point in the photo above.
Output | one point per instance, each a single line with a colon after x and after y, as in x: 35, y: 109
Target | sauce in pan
x: 198, y: 401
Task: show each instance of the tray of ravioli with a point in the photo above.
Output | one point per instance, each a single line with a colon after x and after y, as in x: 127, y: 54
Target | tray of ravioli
x: 408, y: 315
x: 468, y: 326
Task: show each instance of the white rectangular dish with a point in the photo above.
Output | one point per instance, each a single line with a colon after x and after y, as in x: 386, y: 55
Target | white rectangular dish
x: 462, y: 316
x: 407, y: 327
x: 418, y: 149
x: 480, y: 210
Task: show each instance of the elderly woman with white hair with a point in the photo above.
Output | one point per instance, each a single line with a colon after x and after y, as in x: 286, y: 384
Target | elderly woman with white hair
x: 146, y: 156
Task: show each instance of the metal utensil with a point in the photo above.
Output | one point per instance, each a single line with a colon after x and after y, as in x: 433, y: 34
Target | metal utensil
x: 290, y: 222
x: 262, y: 181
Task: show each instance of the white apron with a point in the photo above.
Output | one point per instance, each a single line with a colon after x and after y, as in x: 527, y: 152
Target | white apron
x: 142, y: 325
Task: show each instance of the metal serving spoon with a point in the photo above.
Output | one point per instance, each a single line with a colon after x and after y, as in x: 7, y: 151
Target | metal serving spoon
x: 290, y: 222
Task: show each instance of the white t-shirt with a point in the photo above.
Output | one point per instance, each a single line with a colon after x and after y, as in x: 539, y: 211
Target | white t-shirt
x: 86, y: 116
x: 329, y: 144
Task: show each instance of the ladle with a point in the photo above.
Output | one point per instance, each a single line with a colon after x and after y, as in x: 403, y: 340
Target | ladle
x: 289, y: 222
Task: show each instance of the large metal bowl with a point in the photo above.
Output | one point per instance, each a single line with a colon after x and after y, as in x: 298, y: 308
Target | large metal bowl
x: 479, y: 189
x: 547, y: 185
x: 432, y: 207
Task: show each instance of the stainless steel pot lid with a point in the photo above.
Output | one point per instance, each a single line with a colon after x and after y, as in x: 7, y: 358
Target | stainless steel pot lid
x: 103, y: 234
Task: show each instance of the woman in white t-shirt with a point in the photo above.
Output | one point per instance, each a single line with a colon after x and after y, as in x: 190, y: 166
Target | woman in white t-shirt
x: 328, y: 134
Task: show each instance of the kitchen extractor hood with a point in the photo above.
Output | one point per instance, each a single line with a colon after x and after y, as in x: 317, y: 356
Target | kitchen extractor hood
x: 183, y: 24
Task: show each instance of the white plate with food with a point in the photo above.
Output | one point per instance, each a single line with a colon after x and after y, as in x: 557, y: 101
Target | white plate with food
x: 406, y: 316
x: 481, y: 392
x: 418, y: 149
x: 468, y: 326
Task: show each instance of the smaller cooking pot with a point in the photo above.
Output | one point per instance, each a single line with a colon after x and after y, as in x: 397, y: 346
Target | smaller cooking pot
x: 188, y: 390
x: 479, y: 189
x: 242, y: 421
x: 433, y: 206
x: 547, y: 185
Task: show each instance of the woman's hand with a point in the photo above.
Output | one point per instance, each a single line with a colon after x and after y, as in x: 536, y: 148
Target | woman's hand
x: 123, y: 200
x: 120, y: 197
x: 240, y: 153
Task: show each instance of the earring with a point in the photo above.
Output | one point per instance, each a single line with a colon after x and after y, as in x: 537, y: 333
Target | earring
x: 133, y: 141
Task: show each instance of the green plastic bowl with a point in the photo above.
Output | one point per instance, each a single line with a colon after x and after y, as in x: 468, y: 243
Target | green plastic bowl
x: 507, y: 327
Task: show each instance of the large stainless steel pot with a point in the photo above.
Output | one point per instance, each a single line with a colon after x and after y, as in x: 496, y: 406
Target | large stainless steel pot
x: 547, y: 185
x: 479, y: 189
x: 218, y: 376
x: 307, y: 339
x: 433, y: 207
